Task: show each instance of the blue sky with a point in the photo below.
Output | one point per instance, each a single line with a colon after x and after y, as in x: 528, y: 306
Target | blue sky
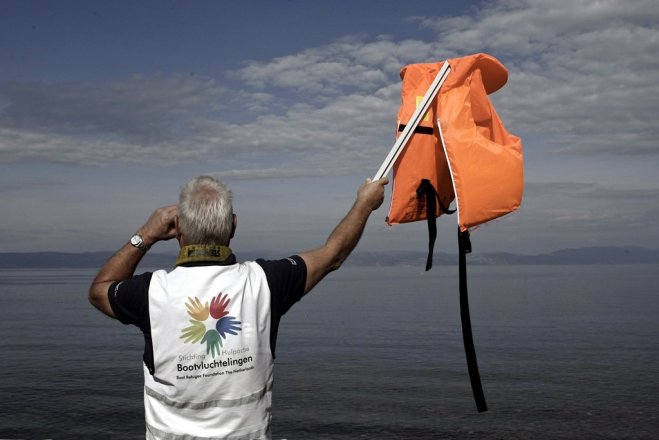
x: 106, y: 108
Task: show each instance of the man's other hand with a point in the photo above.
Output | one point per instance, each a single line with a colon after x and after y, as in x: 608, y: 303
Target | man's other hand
x: 160, y: 226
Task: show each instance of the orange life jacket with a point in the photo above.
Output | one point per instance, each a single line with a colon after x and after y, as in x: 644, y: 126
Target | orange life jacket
x: 460, y: 146
x: 459, y: 151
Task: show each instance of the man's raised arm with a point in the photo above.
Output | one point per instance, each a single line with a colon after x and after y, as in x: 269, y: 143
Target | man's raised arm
x: 122, y: 265
x: 345, y: 236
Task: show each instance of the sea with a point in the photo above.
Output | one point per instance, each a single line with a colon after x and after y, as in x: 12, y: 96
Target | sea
x: 565, y: 352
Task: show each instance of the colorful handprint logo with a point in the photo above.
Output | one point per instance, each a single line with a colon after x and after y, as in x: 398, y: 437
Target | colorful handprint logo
x: 197, y: 331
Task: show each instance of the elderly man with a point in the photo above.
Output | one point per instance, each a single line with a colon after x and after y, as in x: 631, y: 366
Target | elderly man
x: 210, y: 324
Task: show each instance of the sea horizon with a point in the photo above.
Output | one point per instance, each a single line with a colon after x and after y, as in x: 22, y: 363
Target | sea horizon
x: 360, y: 258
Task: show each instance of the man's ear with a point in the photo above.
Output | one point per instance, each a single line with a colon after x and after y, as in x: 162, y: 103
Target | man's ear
x: 234, y: 224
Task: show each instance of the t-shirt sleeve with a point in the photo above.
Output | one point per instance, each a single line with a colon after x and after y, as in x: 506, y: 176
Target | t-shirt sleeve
x: 129, y: 299
x: 286, y: 279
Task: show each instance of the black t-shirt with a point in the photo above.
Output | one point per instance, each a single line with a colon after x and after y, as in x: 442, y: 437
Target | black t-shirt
x: 286, y: 278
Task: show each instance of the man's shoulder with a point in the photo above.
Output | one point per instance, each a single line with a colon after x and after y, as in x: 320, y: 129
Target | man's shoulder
x: 292, y: 262
x: 135, y: 282
x: 129, y: 299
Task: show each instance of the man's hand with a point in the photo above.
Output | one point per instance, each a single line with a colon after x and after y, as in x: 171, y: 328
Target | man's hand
x: 160, y: 226
x: 345, y: 236
x: 372, y: 193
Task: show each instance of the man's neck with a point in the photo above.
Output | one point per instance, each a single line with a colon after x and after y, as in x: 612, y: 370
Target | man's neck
x: 197, y: 253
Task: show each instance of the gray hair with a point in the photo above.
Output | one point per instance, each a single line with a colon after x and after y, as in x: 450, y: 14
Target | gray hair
x: 205, y: 211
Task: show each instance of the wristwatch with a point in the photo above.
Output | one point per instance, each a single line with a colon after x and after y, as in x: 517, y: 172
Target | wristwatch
x: 137, y: 241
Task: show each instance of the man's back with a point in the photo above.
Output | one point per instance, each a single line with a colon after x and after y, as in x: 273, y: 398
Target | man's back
x: 201, y: 323
x: 210, y: 327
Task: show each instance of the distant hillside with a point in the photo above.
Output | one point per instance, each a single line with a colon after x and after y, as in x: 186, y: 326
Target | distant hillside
x: 598, y: 255
x: 586, y: 255
x: 71, y: 260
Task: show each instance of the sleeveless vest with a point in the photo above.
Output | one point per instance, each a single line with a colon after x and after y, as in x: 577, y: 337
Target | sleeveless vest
x: 213, y: 367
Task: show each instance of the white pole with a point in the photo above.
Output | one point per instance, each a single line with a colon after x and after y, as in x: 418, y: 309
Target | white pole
x: 416, y: 117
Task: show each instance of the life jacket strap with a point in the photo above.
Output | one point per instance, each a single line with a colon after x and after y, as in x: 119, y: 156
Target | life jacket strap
x: 464, y: 247
x: 418, y: 129
x: 431, y: 196
x: 428, y: 191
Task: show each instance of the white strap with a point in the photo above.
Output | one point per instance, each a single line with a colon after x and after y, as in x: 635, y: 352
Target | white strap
x: 416, y: 117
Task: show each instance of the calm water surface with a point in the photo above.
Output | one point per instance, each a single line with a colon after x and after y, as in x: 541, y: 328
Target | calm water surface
x: 565, y: 352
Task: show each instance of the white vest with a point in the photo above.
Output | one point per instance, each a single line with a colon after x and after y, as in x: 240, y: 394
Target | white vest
x: 213, y: 371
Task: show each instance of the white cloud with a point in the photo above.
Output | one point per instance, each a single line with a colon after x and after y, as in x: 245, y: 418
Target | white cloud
x: 584, y: 72
x: 142, y: 118
x: 348, y: 65
x: 168, y: 118
x: 269, y: 173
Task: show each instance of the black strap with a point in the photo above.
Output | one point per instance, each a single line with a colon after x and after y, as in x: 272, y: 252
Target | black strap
x: 464, y: 247
x: 419, y: 129
x: 428, y: 191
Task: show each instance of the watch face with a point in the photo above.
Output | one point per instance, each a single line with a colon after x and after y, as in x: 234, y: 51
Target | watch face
x: 136, y: 240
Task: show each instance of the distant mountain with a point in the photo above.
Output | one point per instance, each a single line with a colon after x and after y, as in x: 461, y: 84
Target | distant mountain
x: 599, y: 255
x: 585, y: 255
x: 72, y: 260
